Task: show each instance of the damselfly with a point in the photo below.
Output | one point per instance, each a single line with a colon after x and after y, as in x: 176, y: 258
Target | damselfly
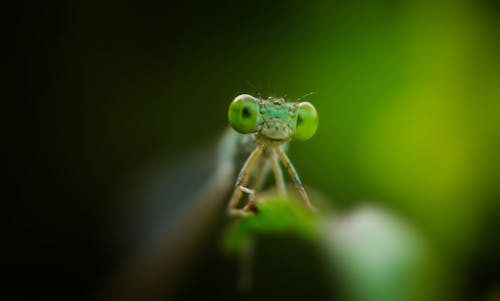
x: 268, y: 126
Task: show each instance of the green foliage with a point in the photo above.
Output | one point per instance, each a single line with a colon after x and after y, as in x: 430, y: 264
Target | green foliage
x: 275, y: 215
x: 375, y: 255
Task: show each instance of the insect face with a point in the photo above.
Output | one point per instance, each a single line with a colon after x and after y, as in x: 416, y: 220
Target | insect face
x: 273, y: 118
x: 279, y: 119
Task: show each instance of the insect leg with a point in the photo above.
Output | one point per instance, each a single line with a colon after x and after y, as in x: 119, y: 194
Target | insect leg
x: 278, y: 174
x: 262, y: 170
x: 242, y: 181
x: 295, y: 177
x: 251, y: 198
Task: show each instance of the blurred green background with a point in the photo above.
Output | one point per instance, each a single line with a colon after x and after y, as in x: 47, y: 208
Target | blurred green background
x: 408, y: 94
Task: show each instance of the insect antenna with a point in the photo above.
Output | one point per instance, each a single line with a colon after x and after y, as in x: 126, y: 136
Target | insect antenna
x: 254, y: 88
x: 306, y: 95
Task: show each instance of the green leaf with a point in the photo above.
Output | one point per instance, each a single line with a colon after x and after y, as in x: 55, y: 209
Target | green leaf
x: 275, y: 215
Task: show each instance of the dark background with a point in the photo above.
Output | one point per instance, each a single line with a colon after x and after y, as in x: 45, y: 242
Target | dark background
x: 407, y: 92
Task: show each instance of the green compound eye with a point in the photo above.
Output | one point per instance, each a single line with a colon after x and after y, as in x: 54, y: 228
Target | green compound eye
x: 243, y: 114
x: 307, y: 121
